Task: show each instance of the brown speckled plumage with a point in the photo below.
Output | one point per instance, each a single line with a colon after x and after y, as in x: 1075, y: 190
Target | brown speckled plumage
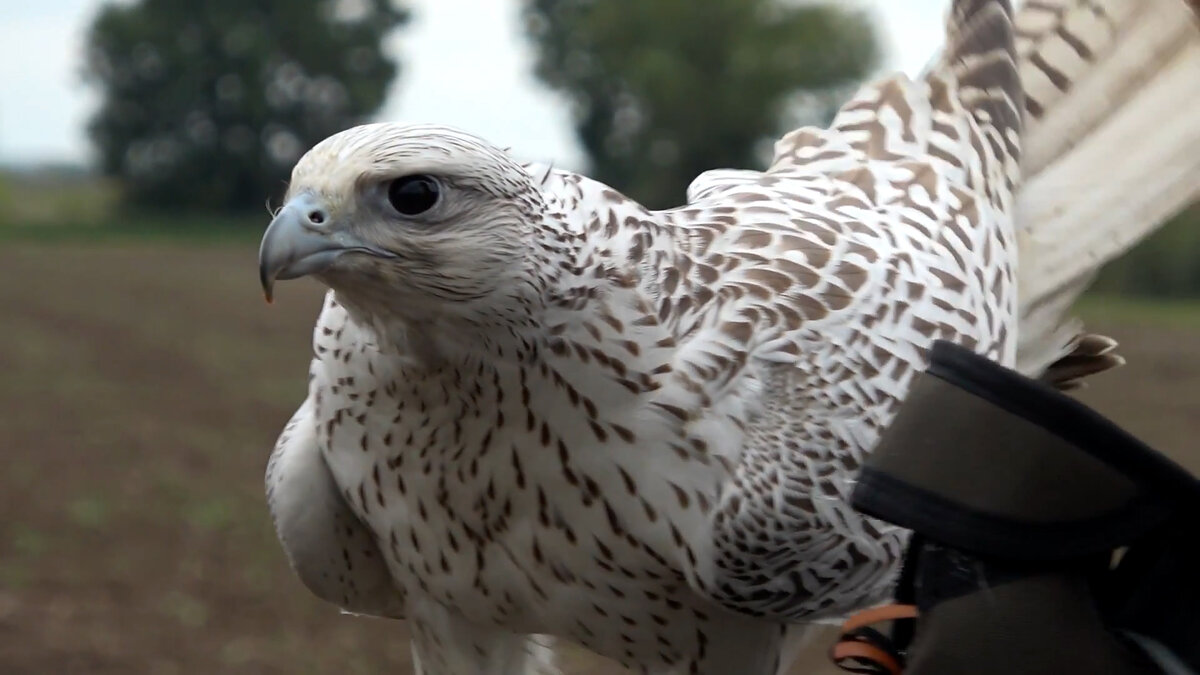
x: 551, y: 411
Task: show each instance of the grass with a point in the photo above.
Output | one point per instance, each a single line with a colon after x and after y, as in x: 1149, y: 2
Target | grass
x: 144, y: 383
x: 59, y: 206
x: 138, y: 229
x: 55, y: 195
x: 1172, y: 313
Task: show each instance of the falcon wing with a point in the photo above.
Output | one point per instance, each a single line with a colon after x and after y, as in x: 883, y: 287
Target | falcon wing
x: 855, y: 250
x: 1112, y: 151
x: 328, y: 547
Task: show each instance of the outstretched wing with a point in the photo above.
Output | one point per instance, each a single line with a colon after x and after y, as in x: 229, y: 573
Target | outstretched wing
x: 838, y: 268
x: 1113, y: 151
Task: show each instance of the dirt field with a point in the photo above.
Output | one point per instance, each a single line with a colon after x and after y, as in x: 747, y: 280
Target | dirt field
x: 141, y: 389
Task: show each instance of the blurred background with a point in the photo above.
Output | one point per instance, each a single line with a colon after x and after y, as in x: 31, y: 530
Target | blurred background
x: 142, y: 379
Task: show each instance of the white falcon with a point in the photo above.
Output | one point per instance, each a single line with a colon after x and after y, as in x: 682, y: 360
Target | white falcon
x: 537, y: 408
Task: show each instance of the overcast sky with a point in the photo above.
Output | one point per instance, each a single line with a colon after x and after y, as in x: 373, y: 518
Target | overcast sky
x: 465, y: 64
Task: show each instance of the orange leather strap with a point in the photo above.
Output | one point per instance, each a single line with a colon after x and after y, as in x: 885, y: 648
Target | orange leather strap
x: 862, y: 649
x: 879, y: 614
x: 852, y: 650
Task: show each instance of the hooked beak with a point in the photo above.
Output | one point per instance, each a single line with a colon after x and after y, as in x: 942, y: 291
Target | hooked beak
x: 303, y: 239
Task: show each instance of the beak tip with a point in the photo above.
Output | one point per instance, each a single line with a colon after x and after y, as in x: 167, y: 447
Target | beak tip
x: 293, y: 247
x: 268, y: 284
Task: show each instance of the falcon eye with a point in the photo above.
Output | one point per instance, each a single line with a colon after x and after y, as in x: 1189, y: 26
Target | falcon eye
x: 414, y: 195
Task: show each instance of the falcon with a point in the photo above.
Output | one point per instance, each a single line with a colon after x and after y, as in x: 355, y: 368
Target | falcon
x: 538, y: 410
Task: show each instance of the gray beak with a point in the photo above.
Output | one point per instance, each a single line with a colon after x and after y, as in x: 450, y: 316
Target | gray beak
x: 302, y: 239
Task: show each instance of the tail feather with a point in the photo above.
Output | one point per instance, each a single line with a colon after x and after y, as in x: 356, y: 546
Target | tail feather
x: 1111, y: 150
x: 1089, y: 354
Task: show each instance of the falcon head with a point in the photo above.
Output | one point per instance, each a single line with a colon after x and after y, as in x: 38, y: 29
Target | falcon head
x: 414, y: 222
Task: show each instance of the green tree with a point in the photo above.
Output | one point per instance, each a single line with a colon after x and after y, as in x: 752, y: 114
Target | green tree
x: 207, y: 105
x: 1165, y: 264
x: 666, y: 89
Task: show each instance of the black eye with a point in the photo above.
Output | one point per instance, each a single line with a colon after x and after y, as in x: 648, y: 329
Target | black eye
x: 413, y: 195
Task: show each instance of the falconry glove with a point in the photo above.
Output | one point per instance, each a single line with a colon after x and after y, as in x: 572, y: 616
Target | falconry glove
x: 1046, y: 538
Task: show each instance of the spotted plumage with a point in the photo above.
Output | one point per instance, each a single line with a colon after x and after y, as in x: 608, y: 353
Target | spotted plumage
x: 538, y: 409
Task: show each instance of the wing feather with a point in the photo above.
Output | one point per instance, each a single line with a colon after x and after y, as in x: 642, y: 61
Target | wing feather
x: 333, y: 553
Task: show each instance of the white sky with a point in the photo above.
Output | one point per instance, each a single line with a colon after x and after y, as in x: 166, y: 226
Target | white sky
x: 465, y: 63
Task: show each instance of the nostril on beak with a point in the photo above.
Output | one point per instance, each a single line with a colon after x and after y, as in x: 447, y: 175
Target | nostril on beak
x: 316, y: 216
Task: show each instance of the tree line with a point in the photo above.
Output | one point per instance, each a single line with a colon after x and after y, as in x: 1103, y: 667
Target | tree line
x: 206, y: 107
